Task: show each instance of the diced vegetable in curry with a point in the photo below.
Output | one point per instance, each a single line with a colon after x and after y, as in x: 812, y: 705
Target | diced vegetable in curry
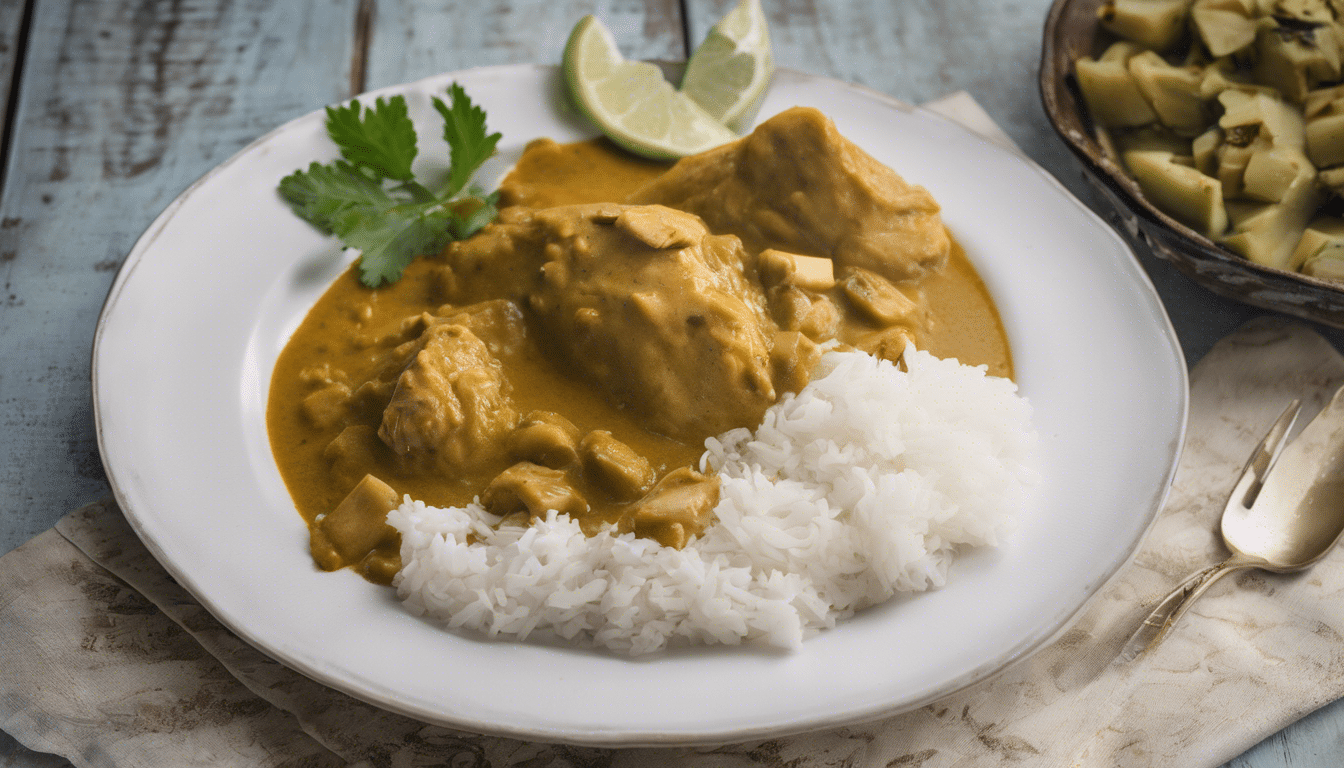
x: 575, y: 355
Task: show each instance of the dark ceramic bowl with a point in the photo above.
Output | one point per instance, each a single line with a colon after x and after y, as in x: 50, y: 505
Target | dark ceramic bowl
x: 1071, y: 32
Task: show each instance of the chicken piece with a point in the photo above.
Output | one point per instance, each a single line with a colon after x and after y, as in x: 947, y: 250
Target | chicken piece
x: 795, y: 309
x: 656, y: 228
x: 886, y: 344
x: 822, y: 320
x: 545, y: 438
x: 498, y: 323
x: 450, y: 410
x: 676, y: 335
x: 534, y: 489
x: 407, y: 331
x: 877, y: 299
x: 678, y: 508
x: 499, y: 261
x: 369, y: 401
x: 793, y: 358
x: 355, y: 448
x: 797, y: 185
x: 327, y: 406
x: 614, y: 466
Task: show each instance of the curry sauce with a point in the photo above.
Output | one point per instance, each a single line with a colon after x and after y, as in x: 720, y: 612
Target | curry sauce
x: 559, y: 413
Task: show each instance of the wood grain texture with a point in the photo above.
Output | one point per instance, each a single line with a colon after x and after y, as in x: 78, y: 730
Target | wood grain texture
x: 413, y: 39
x: 1316, y: 741
x: 122, y: 105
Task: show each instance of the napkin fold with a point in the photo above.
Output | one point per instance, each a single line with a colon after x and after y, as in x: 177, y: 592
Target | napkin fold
x: 106, y: 661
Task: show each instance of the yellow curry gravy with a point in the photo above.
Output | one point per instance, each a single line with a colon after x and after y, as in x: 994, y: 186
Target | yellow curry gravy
x: 333, y: 379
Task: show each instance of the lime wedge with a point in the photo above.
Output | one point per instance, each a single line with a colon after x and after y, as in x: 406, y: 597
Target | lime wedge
x: 631, y: 101
x: 730, y: 71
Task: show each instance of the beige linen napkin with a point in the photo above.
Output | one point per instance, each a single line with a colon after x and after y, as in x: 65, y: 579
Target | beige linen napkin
x: 108, y: 662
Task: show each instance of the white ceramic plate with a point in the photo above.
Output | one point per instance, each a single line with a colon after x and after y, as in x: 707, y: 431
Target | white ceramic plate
x: 211, y: 292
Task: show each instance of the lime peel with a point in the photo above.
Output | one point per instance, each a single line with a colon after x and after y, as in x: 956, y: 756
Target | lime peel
x: 631, y: 101
x: 729, y: 73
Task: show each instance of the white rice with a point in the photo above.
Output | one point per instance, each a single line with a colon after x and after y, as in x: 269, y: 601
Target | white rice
x: 861, y: 486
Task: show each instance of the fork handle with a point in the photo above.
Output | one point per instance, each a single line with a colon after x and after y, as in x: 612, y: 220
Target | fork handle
x: 1158, y: 625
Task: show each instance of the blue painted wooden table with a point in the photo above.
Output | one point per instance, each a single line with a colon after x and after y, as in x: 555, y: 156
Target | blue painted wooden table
x: 112, y: 107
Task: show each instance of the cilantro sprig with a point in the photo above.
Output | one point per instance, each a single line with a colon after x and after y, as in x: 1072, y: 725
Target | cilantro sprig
x: 370, y: 198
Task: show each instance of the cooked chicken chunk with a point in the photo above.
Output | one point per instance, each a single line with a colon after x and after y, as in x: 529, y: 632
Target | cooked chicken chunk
x: 644, y: 303
x: 888, y: 343
x: 795, y: 309
x: 533, y: 489
x: 793, y: 357
x: 615, y: 466
x: 327, y: 406
x: 678, y: 508
x: 676, y: 334
x: 545, y: 438
x: 351, y: 452
x: 797, y: 185
x: 499, y: 323
x: 450, y: 409
x: 878, y: 300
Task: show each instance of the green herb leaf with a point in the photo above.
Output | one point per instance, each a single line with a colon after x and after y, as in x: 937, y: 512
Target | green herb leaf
x: 327, y: 196
x: 469, y: 222
x: 392, y: 244
x: 371, y: 200
x: 381, y: 139
x: 464, y: 130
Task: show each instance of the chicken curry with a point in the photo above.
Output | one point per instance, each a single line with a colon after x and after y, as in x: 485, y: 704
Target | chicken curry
x: 575, y: 354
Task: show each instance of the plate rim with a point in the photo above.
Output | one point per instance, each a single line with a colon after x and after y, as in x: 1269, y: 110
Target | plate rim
x: 603, y: 738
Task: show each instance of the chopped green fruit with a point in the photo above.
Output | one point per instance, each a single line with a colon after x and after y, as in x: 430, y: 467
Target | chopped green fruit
x: 729, y: 72
x: 631, y: 101
x: 1191, y: 197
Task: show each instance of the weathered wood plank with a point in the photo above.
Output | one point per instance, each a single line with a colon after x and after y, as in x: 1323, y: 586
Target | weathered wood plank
x: 1316, y: 741
x: 413, y: 39
x: 122, y: 105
